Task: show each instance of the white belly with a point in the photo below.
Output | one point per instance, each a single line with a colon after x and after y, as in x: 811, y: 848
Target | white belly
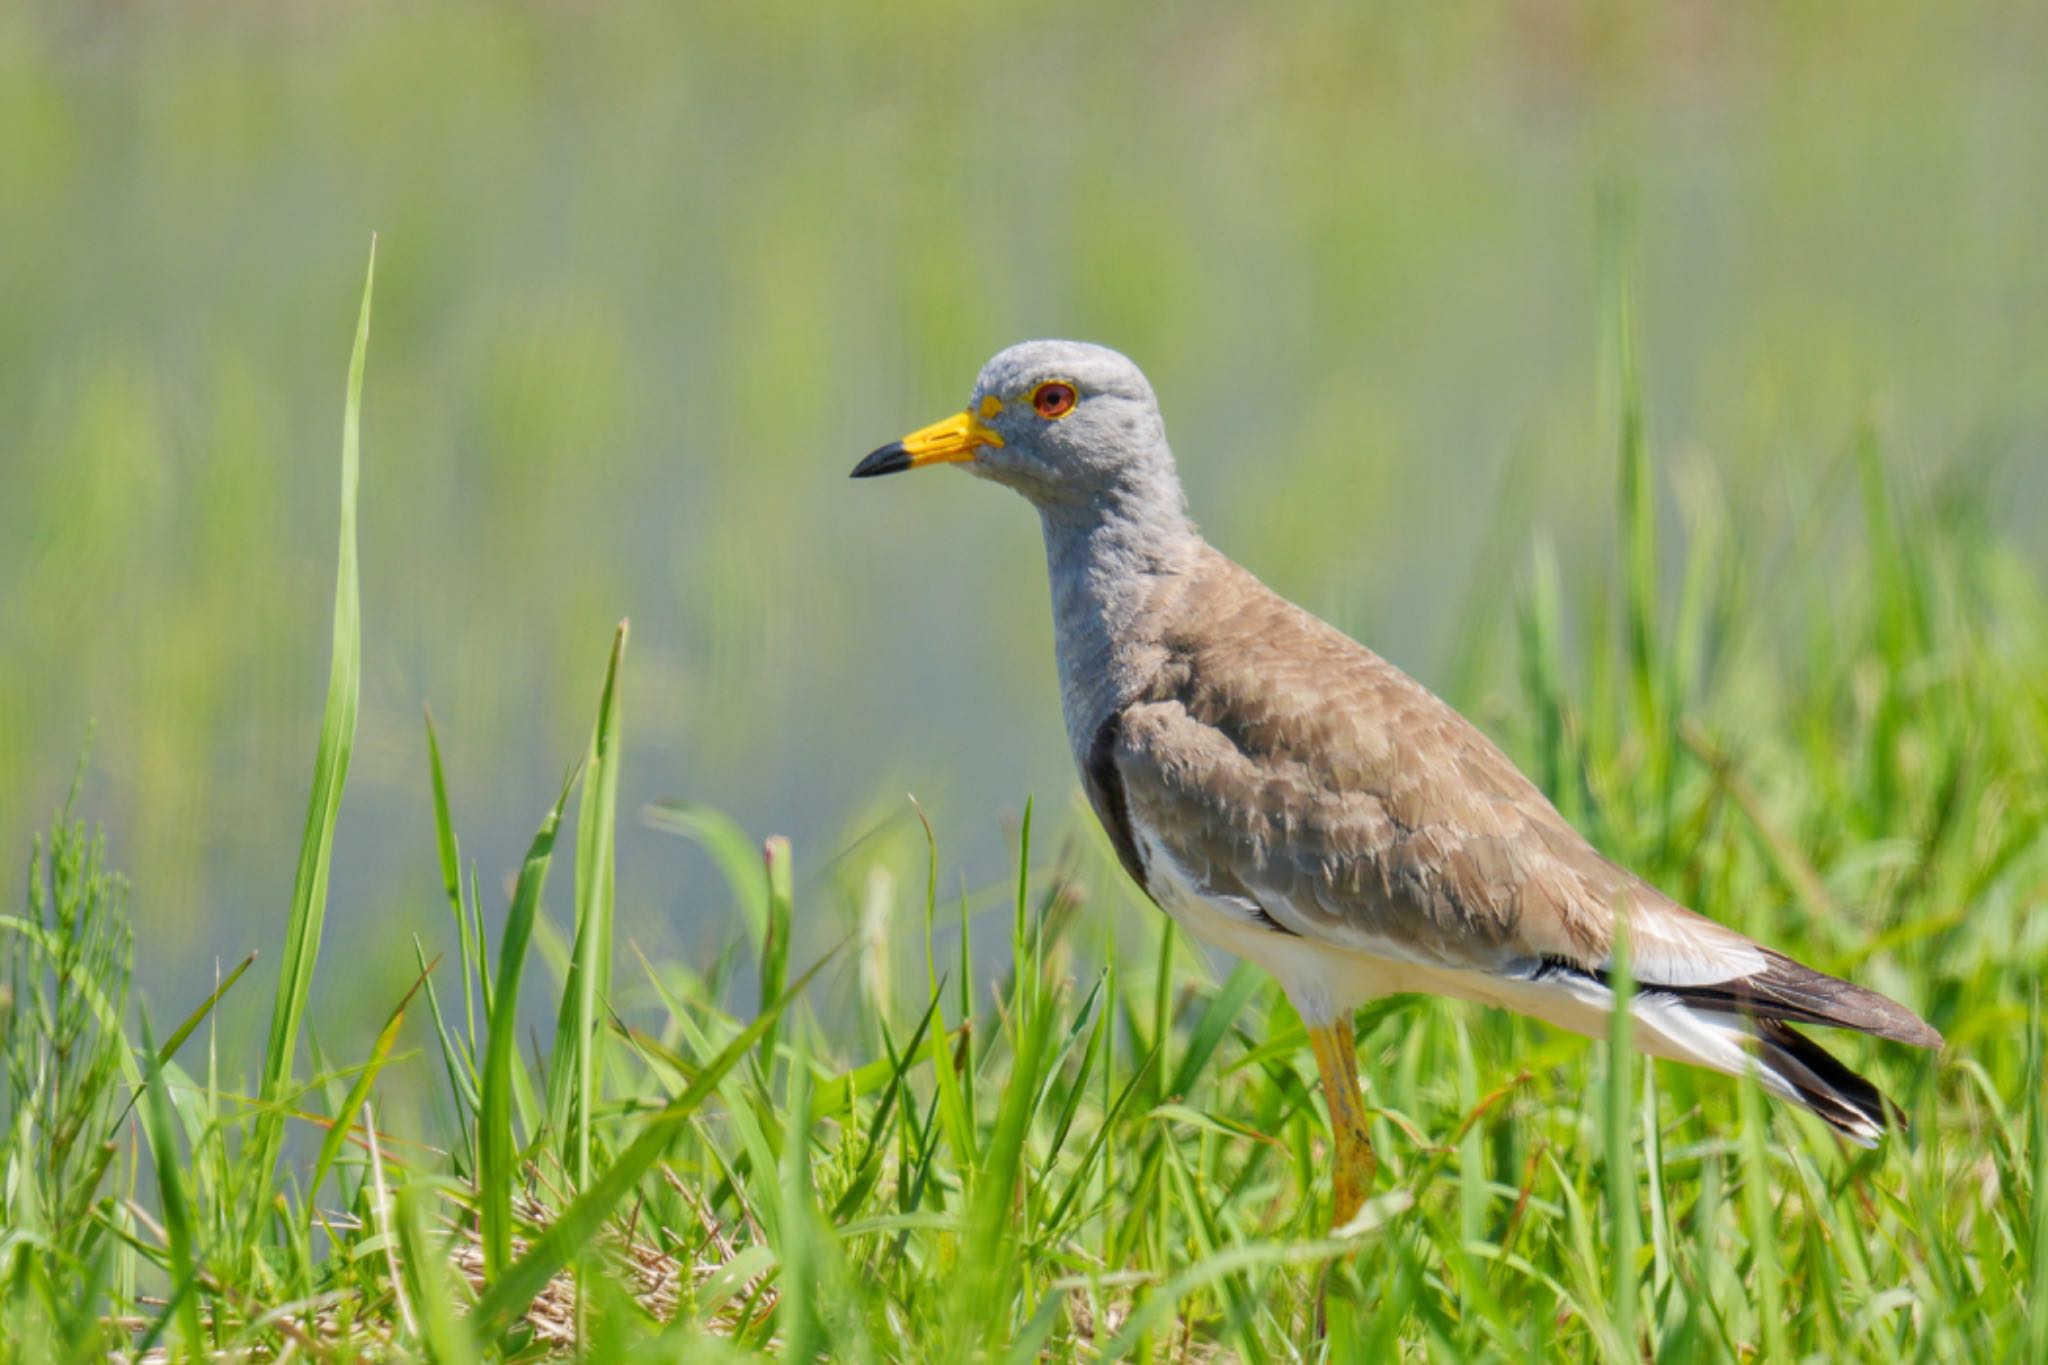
x: 1321, y: 979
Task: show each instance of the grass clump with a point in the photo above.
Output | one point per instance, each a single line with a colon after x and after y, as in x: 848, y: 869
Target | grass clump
x: 1114, y: 1151
x: 63, y: 1008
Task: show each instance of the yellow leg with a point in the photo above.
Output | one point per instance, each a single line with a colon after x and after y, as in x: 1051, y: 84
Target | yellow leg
x: 1337, y: 1058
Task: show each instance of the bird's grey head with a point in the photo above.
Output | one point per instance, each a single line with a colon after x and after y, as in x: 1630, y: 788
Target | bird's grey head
x: 1068, y: 424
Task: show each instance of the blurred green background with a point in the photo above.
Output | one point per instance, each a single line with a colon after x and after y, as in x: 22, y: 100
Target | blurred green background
x: 652, y: 277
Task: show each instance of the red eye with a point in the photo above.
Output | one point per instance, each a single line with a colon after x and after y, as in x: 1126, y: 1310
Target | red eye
x: 1053, y: 400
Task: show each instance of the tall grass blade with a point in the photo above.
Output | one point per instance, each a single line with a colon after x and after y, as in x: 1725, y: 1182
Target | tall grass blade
x: 738, y: 857
x: 498, y: 1159
x: 575, y: 1075
x: 1638, y: 518
x: 1217, y: 1018
x: 779, y: 873
x: 1617, y: 1130
x: 176, y: 1201
x: 458, y: 1059
x: 448, y: 849
x: 952, y: 1101
x: 424, y: 1264
x: 330, y: 773
x: 990, y: 1250
x: 1761, y: 1221
x: 2037, y: 1137
x: 198, y: 1016
x: 799, y: 1244
x: 359, y: 1091
x: 192, y: 1022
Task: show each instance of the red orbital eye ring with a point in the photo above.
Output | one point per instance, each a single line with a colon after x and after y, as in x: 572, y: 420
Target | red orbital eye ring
x: 1053, y: 399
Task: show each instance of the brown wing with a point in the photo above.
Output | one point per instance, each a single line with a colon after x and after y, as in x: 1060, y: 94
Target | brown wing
x: 1276, y: 757
x: 1278, y: 752
x: 1281, y: 762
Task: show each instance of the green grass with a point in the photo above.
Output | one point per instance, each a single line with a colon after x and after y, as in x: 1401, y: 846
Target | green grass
x: 1096, y: 1153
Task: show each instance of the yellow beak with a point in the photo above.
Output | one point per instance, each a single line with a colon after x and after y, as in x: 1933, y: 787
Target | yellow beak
x: 947, y: 442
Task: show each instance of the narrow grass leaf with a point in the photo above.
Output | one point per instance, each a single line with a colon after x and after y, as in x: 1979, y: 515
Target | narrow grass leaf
x: 330, y: 774
x: 424, y: 1263
x: 738, y: 857
x: 380, y: 1053
x: 448, y: 849
x: 779, y: 874
x: 1617, y: 1131
x: 1221, y: 1012
x: 497, y: 1157
x: 176, y: 1202
x: 575, y: 1076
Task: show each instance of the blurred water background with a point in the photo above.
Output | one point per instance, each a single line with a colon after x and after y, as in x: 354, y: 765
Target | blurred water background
x: 652, y: 277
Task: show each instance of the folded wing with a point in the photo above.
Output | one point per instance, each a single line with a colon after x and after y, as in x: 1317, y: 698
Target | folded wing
x: 1288, y: 770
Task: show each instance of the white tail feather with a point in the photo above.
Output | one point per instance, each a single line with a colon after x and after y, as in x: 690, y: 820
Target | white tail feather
x: 1667, y: 1027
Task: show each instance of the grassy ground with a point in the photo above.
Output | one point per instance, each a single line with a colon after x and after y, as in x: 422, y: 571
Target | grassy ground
x: 1838, y: 745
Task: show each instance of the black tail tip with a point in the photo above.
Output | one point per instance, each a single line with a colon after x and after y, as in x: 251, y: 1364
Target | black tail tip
x: 1810, y: 1076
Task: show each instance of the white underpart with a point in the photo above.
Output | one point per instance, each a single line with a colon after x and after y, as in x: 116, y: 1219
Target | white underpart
x: 1325, y: 980
x: 1322, y: 979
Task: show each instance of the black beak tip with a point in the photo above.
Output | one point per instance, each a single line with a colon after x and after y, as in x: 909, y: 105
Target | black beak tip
x: 890, y: 459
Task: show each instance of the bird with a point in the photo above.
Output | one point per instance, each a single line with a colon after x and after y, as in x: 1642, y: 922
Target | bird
x: 1290, y: 797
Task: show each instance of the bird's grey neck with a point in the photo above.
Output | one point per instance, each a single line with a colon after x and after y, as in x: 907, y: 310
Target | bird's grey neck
x: 1107, y: 561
